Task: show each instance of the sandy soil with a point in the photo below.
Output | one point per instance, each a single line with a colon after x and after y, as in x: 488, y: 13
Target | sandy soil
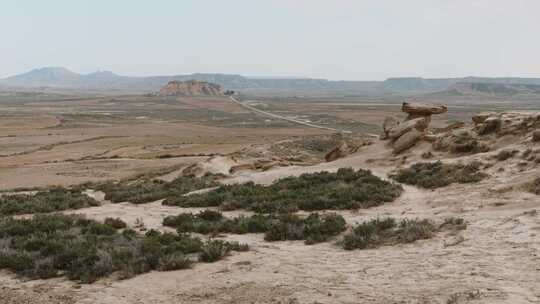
x: 111, y: 138
x: 496, y: 260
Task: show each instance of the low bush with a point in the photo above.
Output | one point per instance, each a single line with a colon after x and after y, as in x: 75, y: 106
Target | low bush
x: 533, y: 186
x: 345, y: 189
x: 314, y: 228
x: 116, y: 223
x: 174, y: 261
x: 454, y: 222
x: 214, y: 250
x: 55, y: 199
x: 145, y: 190
x: 505, y: 154
x: 436, y: 174
x: 379, y: 232
x: 48, y: 246
x: 204, y: 224
x: 387, y: 231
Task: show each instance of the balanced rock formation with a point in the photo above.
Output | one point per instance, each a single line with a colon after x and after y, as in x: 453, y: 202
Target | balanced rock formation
x: 190, y: 88
x: 415, y: 127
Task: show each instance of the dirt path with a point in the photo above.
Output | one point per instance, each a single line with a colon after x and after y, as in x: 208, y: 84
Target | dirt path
x: 296, y: 121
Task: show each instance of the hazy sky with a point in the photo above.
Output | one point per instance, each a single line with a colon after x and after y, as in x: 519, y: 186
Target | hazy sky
x: 336, y: 39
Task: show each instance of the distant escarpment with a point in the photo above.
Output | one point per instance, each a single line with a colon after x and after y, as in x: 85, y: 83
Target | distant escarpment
x: 190, y: 88
x: 492, y: 89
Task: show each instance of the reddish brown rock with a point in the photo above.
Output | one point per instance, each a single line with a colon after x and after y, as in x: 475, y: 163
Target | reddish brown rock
x: 420, y: 109
x: 190, y: 88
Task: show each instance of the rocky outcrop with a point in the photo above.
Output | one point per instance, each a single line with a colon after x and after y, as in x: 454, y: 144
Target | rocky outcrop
x: 514, y: 123
x: 389, y: 123
x: 190, y: 88
x: 418, y: 123
x: 342, y: 150
x: 415, y: 127
x: 407, y: 140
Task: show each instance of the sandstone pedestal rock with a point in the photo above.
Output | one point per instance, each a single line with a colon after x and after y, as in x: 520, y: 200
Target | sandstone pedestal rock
x: 406, y: 134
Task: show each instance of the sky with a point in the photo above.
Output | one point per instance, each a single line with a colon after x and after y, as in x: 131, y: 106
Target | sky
x: 333, y: 39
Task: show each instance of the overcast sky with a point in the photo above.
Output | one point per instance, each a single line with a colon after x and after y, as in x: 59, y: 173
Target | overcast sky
x: 335, y: 39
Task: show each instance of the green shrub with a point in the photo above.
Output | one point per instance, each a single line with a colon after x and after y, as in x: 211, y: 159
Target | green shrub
x: 210, y: 215
x: 345, y: 189
x: 454, y: 222
x: 368, y: 234
x: 380, y: 232
x: 205, y: 223
x: 116, y: 223
x: 213, y: 250
x: 412, y: 230
x: 84, y: 250
x: 313, y: 229
x: 174, y: 261
x: 436, y: 174
x: 505, y: 154
x: 55, y: 199
x: 145, y: 190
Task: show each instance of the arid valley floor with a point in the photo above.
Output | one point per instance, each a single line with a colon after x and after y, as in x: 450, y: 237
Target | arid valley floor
x: 71, y: 140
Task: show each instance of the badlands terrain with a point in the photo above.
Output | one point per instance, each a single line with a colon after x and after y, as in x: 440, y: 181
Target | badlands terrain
x: 121, y: 157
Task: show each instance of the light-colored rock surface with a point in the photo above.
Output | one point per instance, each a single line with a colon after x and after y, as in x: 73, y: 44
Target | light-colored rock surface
x: 389, y: 123
x: 407, y: 140
x: 338, y: 152
x: 417, y: 123
x: 481, y: 117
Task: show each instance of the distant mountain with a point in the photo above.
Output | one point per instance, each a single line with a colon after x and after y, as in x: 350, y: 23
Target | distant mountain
x: 492, y: 89
x: 56, y: 77
x: 44, y: 77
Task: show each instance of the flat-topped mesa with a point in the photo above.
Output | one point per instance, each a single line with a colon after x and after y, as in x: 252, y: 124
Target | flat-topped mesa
x: 190, y: 88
